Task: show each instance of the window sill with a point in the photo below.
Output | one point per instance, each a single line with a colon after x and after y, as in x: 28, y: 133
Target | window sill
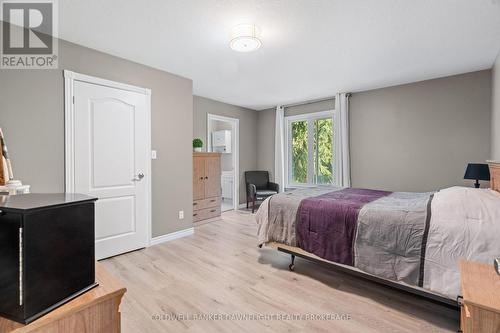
x: 299, y: 186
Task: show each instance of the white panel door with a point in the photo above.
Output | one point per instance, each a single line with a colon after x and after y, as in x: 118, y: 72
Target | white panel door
x: 110, y: 152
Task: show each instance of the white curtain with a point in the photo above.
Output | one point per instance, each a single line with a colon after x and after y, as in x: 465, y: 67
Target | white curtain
x: 279, y: 148
x: 342, y: 170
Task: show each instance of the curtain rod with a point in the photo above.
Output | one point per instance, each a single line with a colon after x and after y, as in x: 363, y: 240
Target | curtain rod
x: 312, y: 101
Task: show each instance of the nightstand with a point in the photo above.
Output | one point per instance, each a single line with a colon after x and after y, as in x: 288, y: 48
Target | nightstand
x: 480, y: 306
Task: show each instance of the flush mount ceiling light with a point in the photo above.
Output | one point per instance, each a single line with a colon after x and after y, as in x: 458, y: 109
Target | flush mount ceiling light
x: 245, y: 38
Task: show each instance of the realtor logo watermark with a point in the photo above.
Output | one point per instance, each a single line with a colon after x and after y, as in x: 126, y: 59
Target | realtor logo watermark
x: 29, y: 34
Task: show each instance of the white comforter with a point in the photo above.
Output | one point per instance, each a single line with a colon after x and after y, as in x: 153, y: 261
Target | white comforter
x: 465, y: 224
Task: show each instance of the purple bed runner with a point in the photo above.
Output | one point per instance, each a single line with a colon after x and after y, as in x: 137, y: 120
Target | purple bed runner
x: 326, y: 224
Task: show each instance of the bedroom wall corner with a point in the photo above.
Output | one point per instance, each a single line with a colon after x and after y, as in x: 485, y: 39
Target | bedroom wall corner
x: 248, y: 129
x: 32, y: 117
x: 495, y: 110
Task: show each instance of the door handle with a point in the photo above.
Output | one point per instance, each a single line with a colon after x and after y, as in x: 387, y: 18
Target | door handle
x: 138, y: 177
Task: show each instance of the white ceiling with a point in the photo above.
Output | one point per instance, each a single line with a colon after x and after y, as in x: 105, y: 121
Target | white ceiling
x: 311, y: 48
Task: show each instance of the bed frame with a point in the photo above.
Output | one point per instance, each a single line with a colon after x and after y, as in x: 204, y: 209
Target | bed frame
x: 298, y: 252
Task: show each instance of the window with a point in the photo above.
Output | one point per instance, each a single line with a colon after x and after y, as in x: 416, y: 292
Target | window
x: 309, y: 155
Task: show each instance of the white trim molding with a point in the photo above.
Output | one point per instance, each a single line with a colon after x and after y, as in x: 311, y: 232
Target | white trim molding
x: 73, y: 76
x: 171, y: 236
x: 236, y: 151
x: 70, y: 78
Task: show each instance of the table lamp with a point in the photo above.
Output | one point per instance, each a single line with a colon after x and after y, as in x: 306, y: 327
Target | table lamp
x: 477, y: 172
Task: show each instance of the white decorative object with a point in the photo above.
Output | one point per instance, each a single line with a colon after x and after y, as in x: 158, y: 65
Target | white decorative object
x: 25, y: 189
x: 245, y: 38
x: 221, y: 141
x: 14, y: 188
x: 12, y: 185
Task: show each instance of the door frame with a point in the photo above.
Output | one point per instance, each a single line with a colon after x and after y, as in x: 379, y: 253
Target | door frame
x: 235, y: 125
x: 70, y: 78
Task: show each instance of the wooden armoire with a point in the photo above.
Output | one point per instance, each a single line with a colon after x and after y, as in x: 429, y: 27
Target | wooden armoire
x: 206, y: 186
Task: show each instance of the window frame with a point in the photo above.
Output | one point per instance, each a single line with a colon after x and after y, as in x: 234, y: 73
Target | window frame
x: 310, y: 118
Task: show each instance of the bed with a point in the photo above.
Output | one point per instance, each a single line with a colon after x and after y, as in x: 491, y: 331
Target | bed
x: 409, y: 241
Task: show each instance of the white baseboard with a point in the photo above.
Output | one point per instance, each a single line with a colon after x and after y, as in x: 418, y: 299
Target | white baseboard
x: 171, y: 236
x: 243, y: 205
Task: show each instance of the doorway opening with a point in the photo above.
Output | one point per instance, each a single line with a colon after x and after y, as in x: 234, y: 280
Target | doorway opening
x: 223, y: 137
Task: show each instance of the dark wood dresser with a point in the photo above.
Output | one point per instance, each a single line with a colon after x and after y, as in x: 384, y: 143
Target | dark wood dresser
x: 46, y: 252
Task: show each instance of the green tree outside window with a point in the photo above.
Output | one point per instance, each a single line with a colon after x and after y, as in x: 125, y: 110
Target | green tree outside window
x: 322, y: 153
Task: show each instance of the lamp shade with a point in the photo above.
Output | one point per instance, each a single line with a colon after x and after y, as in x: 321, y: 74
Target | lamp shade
x: 477, y: 172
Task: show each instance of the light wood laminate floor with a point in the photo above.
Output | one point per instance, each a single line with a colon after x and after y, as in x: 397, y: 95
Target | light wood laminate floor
x: 220, y: 270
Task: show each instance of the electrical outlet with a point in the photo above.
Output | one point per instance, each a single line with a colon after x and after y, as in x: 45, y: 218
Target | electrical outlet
x: 181, y: 215
x: 153, y: 154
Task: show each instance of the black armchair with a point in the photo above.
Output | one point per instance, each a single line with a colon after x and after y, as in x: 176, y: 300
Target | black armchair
x: 259, y: 187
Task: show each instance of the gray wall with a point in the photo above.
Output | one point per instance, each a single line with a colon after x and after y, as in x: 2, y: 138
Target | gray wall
x: 32, y: 117
x: 248, y: 128
x: 413, y: 137
x: 495, y: 111
x: 310, y: 107
x: 420, y: 136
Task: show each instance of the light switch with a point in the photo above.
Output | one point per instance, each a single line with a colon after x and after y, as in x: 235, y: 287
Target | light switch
x: 153, y: 154
x: 181, y: 215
